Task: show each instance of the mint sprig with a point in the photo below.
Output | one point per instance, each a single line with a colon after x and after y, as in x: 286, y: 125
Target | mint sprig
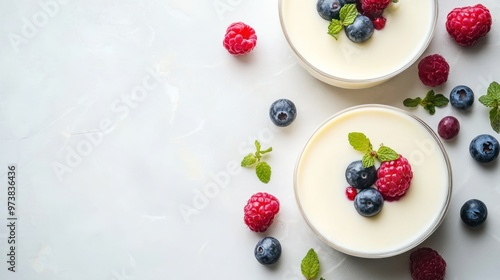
x: 492, y: 100
x: 347, y: 15
x: 262, y: 168
x: 310, y: 265
x: 361, y: 143
x: 429, y: 102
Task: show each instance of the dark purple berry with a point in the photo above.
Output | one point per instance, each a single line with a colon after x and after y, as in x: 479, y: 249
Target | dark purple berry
x: 448, y: 127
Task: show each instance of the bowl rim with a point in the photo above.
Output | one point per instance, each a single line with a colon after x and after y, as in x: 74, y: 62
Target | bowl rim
x: 373, y: 80
x: 386, y: 253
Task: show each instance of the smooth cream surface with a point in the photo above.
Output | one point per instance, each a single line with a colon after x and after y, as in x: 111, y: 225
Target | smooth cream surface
x: 408, y: 29
x: 320, y: 183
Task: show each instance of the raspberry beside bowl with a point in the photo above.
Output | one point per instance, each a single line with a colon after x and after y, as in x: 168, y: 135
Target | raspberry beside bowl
x: 345, y: 64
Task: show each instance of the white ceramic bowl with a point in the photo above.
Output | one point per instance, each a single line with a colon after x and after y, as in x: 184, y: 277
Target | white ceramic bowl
x: 408, y: 31
x: 320, y: 184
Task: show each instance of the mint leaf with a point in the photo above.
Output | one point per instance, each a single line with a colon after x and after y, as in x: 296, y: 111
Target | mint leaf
x: 257, y: 147
x: 359, y: 142
x: 429, y: 103
x: 310, y: 265
x: 263, y: 171
x: 495, y: 119
x: 494, y: 90
x: 492, y: 100
x: 347, y: 14
x: 334, y: 28
x: 248, y: 160
x: 368, y: 160
x: 440, y: 100
x: 412, y: 102
x: 385, y: 153
x: 488, y: 101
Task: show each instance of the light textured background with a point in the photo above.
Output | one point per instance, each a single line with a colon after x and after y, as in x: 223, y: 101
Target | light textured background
x: 112, y: 187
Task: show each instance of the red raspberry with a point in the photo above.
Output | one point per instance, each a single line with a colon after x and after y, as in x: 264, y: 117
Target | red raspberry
x: 433, y: 70
x: 239, y: 39
x: 260, y: 211
x: 467, y: 24
x: 351, y: 193
x: 427, y: 264
x: 394, y: 178
x: 374, y: 8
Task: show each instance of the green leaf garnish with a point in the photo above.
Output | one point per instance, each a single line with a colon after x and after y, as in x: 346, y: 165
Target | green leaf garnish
x: 310, y: 265
x: 347, y: 15
x: 361, y: 143
x: 248, y: 160
x: 492, y: 100
x: 262, y: 169
x: 335, y: 27
x: 429, y: 103
x: 385, y: 153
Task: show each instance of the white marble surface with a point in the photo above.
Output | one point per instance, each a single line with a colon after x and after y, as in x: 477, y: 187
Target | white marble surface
x: 127, y: 121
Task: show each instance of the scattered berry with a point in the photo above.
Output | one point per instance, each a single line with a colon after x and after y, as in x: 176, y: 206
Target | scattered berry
x: 240, y: 38
x: 379, y: 23
x: 427, y: 264
x: 448, y: 127
x: 373, y: 8
x: 394, y: 178
x: 260, y: 211
x: 360, y: 177
x: 268, y: 250
x: 282, y: 112
x: 461, y: 97
x: 329, y: 9
x: 368, y: 202
x: 467, y: 24
x: 351, y: 192
x: 484, y: 148
x: 360, y: 30
x: 474, y: 212
x: 433, y: 70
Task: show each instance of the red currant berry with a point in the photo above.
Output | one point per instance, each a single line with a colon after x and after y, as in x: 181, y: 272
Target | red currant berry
x: 351, y: 193
x: 448, y: 127
x: 379, y: 23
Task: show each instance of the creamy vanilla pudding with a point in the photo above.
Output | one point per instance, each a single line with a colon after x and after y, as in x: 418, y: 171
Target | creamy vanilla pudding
x: 343, y: 63
x: 320, y: 183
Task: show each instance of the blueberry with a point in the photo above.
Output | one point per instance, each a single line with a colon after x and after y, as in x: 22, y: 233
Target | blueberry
x: 268, y: 250
x: 461, y: 97
x: 360, y: 30
x: 474, y: 212
x: 282, y: 112
x: 484, y: 148
x: 329, y: 9
x: 360, y: 177
x: 368, y: 202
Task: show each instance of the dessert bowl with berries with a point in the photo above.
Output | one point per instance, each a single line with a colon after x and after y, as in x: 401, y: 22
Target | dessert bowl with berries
x: 373, y: 181
x: 357, y: 43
